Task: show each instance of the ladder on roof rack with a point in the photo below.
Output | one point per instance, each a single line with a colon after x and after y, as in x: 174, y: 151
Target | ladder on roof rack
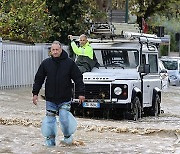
x: 101, y: 28
x: 106, y: 31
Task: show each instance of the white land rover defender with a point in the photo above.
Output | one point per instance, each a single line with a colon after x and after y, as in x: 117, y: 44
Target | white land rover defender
x: 127, y: 82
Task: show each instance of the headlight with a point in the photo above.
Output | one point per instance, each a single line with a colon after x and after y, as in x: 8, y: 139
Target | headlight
x: 117, y: 91
x: 173, y: 77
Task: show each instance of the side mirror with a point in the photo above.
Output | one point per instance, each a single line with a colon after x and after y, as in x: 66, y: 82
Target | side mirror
x: 144, y: 69
x: 163, y: 71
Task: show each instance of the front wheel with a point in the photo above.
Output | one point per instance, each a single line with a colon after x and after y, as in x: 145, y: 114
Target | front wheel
x: 136, y: 110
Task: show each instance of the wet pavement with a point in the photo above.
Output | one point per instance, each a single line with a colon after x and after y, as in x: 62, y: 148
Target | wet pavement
x: 20, y: 123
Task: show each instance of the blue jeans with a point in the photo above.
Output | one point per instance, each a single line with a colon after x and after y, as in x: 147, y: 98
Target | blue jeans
x: 67, y: 121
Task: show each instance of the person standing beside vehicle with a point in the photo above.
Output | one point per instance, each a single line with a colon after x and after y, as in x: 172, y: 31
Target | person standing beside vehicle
x: 86, y: 59
x: 58, y: 71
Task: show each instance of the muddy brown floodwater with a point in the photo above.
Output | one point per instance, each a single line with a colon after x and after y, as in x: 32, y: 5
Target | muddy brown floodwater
x: 20, y: 123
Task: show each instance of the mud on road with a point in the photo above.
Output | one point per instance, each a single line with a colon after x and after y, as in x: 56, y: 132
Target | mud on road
x: 20, y: 123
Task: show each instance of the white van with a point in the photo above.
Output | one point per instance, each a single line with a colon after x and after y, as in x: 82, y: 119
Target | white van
x: 172, y: 64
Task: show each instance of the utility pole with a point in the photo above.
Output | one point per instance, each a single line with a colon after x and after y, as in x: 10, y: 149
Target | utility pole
x: 177, y: 35
x: 111, y: 11
x: 127, y: 15
x: 1, y: 61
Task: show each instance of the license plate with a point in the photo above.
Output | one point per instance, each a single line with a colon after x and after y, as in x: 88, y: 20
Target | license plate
x: 91, y: 104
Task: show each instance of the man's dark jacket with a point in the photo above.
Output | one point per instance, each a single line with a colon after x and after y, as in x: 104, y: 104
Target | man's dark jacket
x: 58, y: 73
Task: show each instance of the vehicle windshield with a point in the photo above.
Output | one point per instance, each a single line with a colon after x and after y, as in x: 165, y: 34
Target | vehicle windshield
x: 117, y: 58
x: 170, y: 64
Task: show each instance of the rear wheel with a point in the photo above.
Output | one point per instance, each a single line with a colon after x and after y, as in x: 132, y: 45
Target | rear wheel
x: 155, y: 110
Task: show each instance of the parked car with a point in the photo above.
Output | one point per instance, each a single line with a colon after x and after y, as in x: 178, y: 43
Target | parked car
x: 172, y: 64
x: 163, y: 75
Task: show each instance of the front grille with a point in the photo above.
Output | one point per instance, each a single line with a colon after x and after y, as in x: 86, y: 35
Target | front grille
x: 96, y: 91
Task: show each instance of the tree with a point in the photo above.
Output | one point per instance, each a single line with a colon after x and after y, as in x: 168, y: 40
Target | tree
x: 68, y: 16
x: 24, y: 20
x: 72, y: 17
x: 46, y: 20
x: 170, y: 21
x: 147, y: 8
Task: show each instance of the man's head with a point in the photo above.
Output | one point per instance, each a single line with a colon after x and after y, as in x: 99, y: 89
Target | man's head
x: 83, y: 40
x: 56, y: 49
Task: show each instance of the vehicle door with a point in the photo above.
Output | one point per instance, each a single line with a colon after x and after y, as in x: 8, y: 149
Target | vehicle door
x: 151, y: 80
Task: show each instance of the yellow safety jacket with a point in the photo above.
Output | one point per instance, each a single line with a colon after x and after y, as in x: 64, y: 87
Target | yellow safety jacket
x: 85, y: 50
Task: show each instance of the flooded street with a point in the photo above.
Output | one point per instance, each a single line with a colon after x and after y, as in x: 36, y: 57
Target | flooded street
x: 20, y: 123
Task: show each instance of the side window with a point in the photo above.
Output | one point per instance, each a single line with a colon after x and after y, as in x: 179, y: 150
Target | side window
x: 98, y: 56
x: 136, y: 55
x: 143, y: 59
x: 153, y: 63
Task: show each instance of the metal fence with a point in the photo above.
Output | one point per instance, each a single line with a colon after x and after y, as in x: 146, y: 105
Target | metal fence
x: 19, y: 63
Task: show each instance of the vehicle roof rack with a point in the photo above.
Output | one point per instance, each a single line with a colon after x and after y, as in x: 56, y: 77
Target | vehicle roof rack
x: 143, y: 37
x: 101, y: 28
x: 105, y: 31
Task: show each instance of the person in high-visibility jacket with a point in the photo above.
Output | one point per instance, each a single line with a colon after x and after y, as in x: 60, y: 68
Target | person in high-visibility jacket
x: 86, y: 59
